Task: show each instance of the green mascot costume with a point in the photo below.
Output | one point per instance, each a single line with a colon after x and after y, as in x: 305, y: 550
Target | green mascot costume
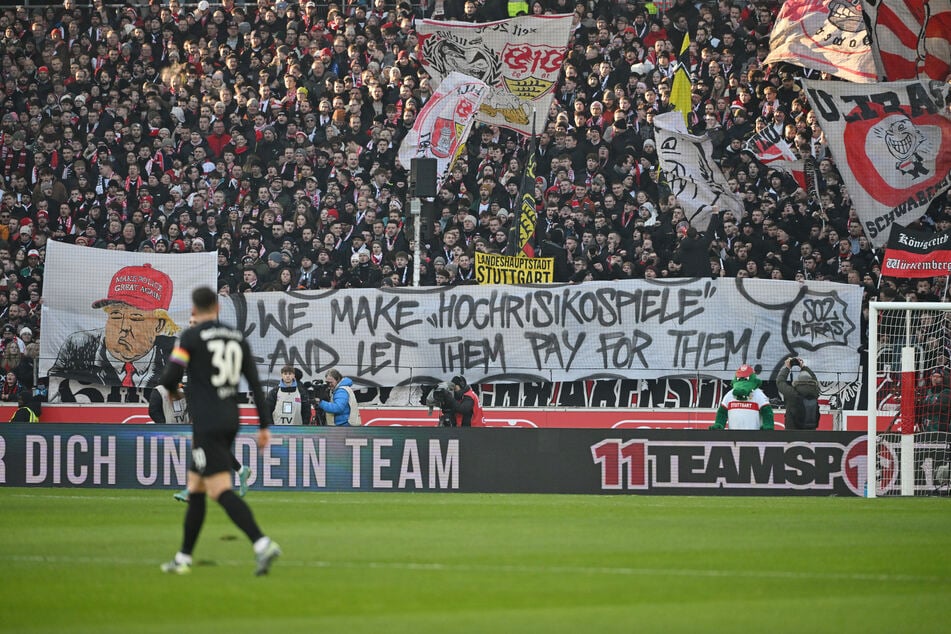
x: 745, y: 406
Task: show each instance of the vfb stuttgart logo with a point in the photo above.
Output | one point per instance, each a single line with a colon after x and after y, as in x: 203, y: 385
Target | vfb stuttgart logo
x: 530, y: 71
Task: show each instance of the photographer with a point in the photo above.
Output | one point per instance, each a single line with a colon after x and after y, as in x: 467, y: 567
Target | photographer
x: 458, y: 403
x: 288, y: 402
x: 342, y: 404
x: 800, y: 395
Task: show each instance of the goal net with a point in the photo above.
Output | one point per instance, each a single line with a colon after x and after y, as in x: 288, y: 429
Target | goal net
x: 909, y: 399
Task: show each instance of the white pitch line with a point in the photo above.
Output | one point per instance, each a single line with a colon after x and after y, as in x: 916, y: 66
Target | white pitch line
x: 508, y: 569
x: 357, y: 498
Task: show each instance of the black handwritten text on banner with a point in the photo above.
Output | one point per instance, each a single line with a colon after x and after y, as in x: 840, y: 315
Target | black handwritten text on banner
x: 630, y: 329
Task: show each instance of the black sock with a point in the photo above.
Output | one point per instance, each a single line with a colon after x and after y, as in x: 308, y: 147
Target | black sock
x: 240, y: 513
x: 194, y: 518
x: 235, y: 464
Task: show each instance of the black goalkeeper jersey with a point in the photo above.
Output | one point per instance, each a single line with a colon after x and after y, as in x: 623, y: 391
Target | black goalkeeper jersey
x: 215, y: 357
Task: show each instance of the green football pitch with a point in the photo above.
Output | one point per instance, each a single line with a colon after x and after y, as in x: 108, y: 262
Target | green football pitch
x: 88, y: 561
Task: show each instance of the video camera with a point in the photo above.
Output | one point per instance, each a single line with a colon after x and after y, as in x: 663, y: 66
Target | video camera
x: 317, y: 390
x: 442, y: 397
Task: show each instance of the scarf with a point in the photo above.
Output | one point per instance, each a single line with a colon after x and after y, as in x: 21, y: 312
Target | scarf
x: 13, y: 161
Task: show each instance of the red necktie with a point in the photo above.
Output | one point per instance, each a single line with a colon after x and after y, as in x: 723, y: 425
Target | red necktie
x: 129, y: 369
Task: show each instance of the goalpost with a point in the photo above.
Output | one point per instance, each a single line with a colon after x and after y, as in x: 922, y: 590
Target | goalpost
x: 909, y: 399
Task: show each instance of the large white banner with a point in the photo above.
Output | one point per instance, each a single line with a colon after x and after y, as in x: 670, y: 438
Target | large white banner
x: 890, y: 142
x: 826, y: 36
x: 512, y: 334
x: 691, y: 173
x: 443, y: 124
x: 912, y: 38
x: 519, y: 59
x: 111, y: 317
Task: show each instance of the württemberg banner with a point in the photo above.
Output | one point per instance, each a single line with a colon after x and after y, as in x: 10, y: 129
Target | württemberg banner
x: 913, y: 253
x: 890, y: 142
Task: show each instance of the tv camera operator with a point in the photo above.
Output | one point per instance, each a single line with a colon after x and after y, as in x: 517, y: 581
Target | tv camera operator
x: 458, y: 403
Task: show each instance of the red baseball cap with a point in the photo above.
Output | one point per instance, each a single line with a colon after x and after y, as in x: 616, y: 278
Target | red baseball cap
x: 142, y: 287
x: 744, y: 371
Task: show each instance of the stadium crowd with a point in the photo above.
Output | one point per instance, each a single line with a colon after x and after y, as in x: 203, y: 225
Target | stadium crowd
x: 268, y: 132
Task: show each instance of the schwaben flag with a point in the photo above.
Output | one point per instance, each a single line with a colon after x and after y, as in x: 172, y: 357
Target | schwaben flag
x: 913, y: 253
x: 890, y: 142
x: 520, y: 59
x: 444, y: 122
x: 491, y: 268
x: 911, y: 38
x: 826, y: 36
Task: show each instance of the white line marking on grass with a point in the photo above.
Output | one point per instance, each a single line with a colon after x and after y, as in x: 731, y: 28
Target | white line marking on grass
x: 87, y: 498
x: 376, y: 498
x: 508, y: 569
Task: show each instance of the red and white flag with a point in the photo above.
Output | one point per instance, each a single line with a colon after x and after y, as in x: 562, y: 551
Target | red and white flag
x: 826, y: 36
x: 520, y: 59
x: 772, y: 150
x: 890, y: 142
x: 444, y: 123
x: 911, y: 37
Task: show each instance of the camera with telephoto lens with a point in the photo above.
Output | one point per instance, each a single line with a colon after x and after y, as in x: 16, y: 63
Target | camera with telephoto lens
x: 441, y: 397
x: 318, y: 390
x: 795, y: 362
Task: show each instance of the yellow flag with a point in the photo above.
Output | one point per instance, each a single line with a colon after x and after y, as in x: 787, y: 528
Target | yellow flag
x: 680, y: 94
x: 680, y: 97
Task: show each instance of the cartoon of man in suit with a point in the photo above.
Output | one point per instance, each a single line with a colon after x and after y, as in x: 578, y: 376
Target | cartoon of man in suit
x: 138, y: 336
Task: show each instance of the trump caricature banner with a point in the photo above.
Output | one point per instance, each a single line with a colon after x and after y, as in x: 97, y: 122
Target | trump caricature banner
x: 444, y: 123
x: 692, y: 175
x: 826, y: 36
x: 519, y: 59
x: 890, y: 142
x: 110, y: 317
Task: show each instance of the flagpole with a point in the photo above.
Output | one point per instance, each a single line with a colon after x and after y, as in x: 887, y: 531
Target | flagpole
x: 415, y: 206
x: 512, y: 247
